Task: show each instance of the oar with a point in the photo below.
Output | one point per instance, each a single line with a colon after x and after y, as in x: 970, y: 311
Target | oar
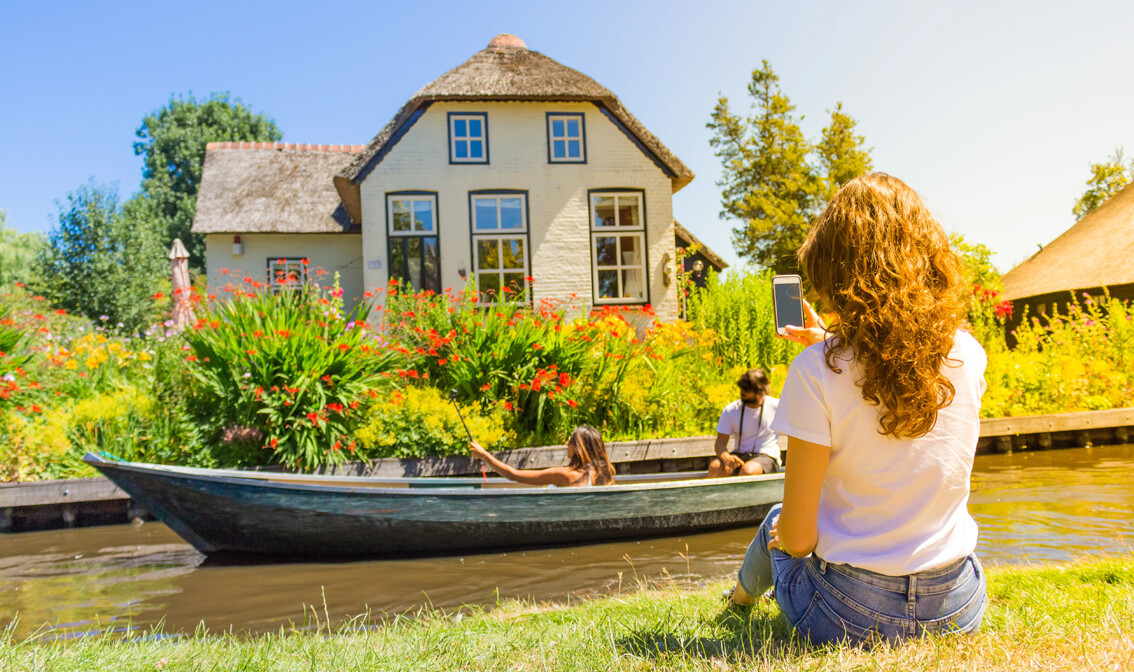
x: 453, y: 398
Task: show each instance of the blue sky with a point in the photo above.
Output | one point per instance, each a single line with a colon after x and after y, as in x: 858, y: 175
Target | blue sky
x: 993, y: 111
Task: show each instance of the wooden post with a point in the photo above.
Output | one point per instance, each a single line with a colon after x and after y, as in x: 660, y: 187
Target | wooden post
x: 69, y: 516
x: 6, y: 519
x: 1122, y: 434
x: 1004, y: 445
x: 1043, y: 440
x: 1083, y: 438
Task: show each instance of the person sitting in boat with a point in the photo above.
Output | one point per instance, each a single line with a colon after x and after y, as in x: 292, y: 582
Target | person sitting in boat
x: 874, y: 540
x: 588, y: 463
x: 750, y: 419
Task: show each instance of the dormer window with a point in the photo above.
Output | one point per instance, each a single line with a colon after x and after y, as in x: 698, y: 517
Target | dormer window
x: 565, y: 138
x: 468, y: 137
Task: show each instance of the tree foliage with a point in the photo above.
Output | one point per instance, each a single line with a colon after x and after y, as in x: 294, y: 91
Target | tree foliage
x: 775, y: 180
x: 17, y: 250
x: 1107, y: 179
x: 100, y: 263
x: 172, y: 141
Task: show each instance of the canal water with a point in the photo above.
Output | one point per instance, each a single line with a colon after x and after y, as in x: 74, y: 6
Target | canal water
x: 1031, y: 507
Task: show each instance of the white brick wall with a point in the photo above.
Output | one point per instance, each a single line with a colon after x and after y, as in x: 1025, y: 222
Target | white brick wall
x: 331, y: 252
x: 557, y: 195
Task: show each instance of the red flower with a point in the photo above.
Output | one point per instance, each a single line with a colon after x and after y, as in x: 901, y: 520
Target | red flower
x: 191, y: 358
x: 313, y: 417
x: 343, y: 347
x: 507, y: 405
x: 442, y: 362
x: 327, y: 379
x: 274, y: 442
x: 159, y: 295
x: 250, y: 352
x: 283, y: 332
x: 259, y: 393
x: 572, y: 403
x: 486, y: 387
x: 60, y: 312
x: 537, y: 346
x: 257, y: 333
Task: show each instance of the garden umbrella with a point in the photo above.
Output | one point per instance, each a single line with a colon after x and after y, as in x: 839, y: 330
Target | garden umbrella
x: 179, y: 265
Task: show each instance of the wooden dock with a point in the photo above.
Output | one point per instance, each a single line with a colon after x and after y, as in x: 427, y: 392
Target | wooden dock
x: 41, y: 505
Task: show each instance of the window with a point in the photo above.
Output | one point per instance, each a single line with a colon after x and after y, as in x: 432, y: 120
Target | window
x: 468, y: 137
x: 618, y: 247
x: 499, y: 242
x: 415, y: 259
x: 565, y: 141
x: 289, y: 273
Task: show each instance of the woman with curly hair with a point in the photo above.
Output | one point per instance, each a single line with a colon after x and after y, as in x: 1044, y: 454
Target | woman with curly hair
x: 874, y: 540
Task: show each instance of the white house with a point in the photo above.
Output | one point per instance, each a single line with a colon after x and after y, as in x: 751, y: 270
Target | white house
x: 509, y: 166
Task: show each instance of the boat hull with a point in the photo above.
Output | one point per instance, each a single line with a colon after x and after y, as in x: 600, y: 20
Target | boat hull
x: 223, y: 514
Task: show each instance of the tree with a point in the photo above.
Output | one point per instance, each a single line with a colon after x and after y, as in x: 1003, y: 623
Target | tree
x: 97, y: 262
x: 17, y: 250
x: 775, y: 181
x: 172, y: 141
x: 1107, y: 179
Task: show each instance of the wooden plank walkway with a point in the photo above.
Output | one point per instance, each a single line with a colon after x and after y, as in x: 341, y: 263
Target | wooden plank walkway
x: 46, y: 504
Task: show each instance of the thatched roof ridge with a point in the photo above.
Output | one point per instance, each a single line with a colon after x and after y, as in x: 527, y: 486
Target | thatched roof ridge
x: 507, y: 70
x: 1095, y: 252
x: 706, y: 251
x: 272, y: 188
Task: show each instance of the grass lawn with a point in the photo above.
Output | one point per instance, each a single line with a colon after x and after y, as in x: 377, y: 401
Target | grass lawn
x: 1066, y: 617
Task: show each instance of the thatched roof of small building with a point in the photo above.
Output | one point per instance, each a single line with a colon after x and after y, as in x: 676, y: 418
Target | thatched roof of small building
x: 506, y: 70
x: 690, y: 240
x: 1096, y: 252
x: 265, y: 187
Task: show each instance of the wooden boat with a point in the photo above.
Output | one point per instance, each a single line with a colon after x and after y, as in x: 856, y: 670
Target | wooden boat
x: 222, y: 511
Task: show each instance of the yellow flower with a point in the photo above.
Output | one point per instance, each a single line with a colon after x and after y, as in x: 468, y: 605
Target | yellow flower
x: 71, y: 364
x: 92, y: 362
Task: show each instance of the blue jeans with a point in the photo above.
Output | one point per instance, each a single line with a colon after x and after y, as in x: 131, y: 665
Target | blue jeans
x: 826, y: 602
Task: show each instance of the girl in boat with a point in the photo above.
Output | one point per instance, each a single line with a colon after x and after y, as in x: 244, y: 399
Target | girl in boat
x: 588, y: 463
x: 874, y: 540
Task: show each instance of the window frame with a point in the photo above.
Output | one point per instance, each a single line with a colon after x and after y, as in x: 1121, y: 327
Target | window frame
x: 275, y: 286
x: 392, y: 236
x: 551, y: 117
x: 596, y: 231
x: 455, y: 116
x: 499, y: 234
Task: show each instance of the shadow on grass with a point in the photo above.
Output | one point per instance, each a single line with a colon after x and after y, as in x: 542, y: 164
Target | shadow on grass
x: 734, y: 634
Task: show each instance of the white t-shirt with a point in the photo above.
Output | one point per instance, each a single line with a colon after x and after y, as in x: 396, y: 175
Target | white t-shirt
x: 892, y: 506
x: 759, y: 437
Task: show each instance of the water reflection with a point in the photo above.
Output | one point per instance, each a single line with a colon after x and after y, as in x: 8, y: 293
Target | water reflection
x: 1031, y: 507
x: 1054, y: 505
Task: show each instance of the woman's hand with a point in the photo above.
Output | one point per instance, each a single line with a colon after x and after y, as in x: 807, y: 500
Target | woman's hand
x: 813, y: 330
x: 478, y: 450
x: 774, y: 542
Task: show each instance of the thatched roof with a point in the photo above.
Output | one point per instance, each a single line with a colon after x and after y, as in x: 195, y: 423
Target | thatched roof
x: 706, y: 251
x: 1095, y: 252
x: 506, y: 70
x: 264, y: 187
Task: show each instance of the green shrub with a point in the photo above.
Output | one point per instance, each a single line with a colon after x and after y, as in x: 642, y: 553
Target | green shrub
x: 284, y: 372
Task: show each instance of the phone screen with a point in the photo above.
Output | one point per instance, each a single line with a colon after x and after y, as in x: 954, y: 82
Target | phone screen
x: 789, y: 304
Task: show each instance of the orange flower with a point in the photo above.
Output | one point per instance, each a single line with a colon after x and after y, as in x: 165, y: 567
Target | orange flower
x: 507, y: 405
x: 191, y: 358
x: 572, y: 403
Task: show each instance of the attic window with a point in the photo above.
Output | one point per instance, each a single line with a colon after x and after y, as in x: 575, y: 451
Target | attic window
x: 468, y: 137
x: 565, y: 138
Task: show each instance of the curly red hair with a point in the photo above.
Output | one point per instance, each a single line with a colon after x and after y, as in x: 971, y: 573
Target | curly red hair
x: 883, y: 264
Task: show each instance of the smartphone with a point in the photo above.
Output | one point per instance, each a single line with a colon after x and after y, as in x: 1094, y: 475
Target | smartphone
x: 787, y: 301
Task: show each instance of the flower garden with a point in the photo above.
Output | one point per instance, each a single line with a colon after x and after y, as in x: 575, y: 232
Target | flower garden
x: 292, y: 378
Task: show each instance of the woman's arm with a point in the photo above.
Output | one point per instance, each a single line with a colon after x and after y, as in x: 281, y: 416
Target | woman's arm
x: 797, y: 530
x: 557, y: 476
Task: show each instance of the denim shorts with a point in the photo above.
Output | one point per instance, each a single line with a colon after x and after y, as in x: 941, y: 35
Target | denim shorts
x: 828, y: 602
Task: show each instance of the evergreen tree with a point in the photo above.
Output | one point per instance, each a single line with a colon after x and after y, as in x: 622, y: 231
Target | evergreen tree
x: 775, y: 181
